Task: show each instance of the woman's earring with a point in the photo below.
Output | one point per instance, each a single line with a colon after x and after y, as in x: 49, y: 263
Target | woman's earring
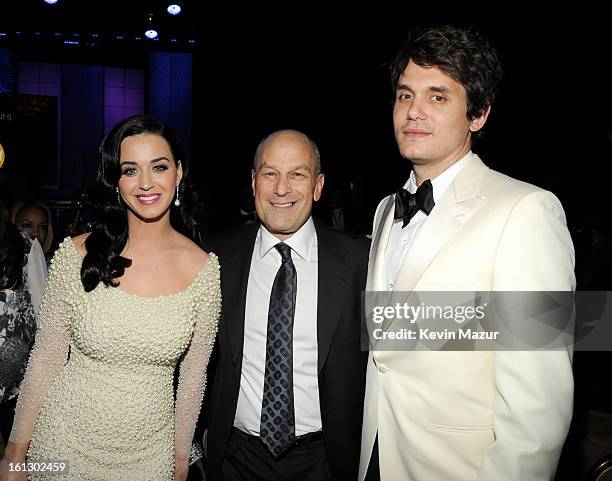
x: 118, y: 195
x: 177, y: 201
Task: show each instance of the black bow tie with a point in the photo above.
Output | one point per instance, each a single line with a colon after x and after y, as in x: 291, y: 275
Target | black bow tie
x: 407, y: 204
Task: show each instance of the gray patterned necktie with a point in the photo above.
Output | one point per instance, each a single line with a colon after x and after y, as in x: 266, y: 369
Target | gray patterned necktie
x: 277, y: 428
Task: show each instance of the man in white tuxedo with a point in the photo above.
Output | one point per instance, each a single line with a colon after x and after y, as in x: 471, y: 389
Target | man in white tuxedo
x: 462, y: 416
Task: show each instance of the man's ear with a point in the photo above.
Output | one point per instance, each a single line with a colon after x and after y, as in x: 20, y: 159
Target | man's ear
x: 318, y: 187
x: 253, y: 181
x: 477, y: 123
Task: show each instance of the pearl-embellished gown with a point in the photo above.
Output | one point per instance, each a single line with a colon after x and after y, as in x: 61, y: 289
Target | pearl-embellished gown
x: 98, y: 391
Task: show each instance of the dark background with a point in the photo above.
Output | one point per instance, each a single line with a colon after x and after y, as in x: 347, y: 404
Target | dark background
x: 321, y: 68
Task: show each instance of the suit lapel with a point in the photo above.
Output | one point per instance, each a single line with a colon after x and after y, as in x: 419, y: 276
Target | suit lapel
x: 236, y: 277
x: 333, y: 279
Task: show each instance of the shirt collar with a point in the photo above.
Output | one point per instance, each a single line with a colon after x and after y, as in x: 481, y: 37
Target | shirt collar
x: 301, y: 242
x: 442, y: 181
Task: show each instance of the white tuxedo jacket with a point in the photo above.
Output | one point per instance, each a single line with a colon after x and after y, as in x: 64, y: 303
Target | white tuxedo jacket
x: 473, y: 416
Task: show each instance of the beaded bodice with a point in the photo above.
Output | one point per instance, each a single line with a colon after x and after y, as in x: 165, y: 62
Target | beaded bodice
x: 110, y: 355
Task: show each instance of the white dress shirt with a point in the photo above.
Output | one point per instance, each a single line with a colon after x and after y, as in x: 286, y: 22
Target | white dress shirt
x: 400, y: 238
x: 264, y: 265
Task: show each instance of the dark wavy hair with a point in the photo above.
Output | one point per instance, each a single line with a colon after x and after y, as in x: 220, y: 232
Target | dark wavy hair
x: 465, y: 56
x: 109, y: 229
x: 12, y: 252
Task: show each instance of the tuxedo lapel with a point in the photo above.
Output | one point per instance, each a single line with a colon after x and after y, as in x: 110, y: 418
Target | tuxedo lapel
x: 376, y: 263
x: 333, y: 280
x: 458, y: 204
x: 456, y: 207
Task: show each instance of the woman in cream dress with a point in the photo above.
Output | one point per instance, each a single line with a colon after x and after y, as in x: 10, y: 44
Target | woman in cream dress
x: 123, y: 305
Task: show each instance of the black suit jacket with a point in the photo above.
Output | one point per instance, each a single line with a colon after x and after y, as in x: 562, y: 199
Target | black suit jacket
x: 341, y: 363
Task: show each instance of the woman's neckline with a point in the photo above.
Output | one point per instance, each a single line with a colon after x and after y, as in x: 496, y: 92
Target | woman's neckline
x: 158, y: 296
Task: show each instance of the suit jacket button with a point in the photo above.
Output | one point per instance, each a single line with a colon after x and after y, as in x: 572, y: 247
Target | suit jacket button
x: 382, y: 368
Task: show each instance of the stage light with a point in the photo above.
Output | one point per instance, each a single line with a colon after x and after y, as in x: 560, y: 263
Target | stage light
x: 150, y: 30
x: 174, y: 8
x: 51, y: 2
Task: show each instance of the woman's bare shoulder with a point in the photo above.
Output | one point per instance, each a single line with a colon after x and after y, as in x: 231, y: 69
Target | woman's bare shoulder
x: 192, y: 252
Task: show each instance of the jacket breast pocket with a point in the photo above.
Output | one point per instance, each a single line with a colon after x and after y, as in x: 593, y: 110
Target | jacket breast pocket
x: 456, y: 277
x: 463, y: 429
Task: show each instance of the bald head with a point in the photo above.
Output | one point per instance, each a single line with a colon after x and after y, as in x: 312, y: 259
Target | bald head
x: 286, y: 181
x: 288, y: 139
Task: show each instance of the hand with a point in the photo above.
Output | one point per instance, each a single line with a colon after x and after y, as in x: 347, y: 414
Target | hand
x: 181, y: 469
x: 13, y: 476
x: 13, y: 453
